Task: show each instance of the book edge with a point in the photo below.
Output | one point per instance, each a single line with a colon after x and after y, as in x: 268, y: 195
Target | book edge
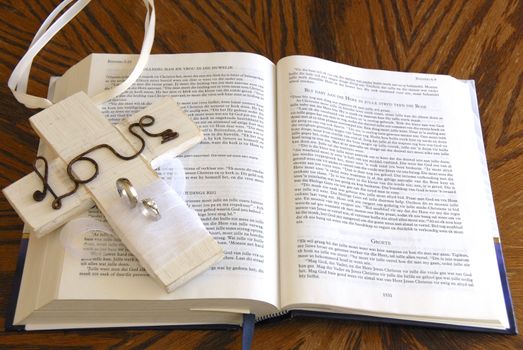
x: 513, y: 329
x: 13, y: 300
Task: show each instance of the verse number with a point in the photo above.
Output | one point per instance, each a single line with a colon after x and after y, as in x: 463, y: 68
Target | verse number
x: 386, y: 295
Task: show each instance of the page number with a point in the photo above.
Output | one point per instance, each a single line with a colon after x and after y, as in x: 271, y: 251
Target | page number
x: 387, y: 295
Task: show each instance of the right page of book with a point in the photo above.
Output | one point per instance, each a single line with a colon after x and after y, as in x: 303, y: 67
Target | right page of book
x: 385, y: 201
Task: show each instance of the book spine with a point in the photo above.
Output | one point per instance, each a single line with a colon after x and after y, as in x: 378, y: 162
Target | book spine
x: 271, y: 316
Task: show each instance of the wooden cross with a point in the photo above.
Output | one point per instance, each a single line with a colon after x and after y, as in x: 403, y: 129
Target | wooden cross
x: 75, y: 125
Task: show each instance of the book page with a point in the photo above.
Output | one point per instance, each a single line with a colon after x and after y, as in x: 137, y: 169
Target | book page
x: 230, y: 177
x: 385, y: 202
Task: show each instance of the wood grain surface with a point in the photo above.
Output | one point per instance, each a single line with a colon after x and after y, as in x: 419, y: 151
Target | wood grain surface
x: 480, y: 40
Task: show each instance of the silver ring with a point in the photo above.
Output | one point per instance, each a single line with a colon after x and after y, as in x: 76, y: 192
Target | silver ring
x: 149, y: 209
x: 127, y: 192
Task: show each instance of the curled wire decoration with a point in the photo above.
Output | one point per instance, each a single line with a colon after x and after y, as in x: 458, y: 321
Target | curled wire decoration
x: 142, y: 124
x: 40, y: 195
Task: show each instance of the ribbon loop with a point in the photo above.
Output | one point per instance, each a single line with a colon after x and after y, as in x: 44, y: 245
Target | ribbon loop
x: 20, y: 76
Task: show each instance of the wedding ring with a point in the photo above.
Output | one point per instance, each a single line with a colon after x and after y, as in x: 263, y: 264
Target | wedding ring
x: 150, y: 209
x: 127, y: 192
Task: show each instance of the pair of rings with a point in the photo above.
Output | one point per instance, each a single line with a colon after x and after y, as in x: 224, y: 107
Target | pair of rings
x: 127, y: 192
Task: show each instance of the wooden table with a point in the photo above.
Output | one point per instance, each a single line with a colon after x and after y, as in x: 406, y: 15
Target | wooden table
x: 480, y: 40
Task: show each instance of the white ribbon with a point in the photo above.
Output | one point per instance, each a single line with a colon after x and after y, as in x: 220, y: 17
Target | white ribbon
x: 20, y: 76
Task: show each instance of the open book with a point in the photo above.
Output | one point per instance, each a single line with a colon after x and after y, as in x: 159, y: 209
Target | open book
x: 335, y: 191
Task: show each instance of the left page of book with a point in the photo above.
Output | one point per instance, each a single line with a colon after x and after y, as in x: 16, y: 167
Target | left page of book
x: 230, y: 178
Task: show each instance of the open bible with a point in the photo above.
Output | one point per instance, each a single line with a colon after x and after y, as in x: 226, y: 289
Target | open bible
x: 334, y: 191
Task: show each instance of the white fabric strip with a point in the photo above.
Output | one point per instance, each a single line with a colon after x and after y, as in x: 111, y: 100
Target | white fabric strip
x: 72, y: 234
x: 20, y: 75
x: 156, y: 243
x: 173, y: 249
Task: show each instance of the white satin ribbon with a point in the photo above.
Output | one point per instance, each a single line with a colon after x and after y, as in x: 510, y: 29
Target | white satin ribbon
x: 20, y: 75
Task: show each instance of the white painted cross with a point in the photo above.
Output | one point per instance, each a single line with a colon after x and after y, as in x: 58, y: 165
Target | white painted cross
x: 75, y: 125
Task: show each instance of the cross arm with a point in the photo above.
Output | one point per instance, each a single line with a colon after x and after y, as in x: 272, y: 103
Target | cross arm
x: 39, y: 216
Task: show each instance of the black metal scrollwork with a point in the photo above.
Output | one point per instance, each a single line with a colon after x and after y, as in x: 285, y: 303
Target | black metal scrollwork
x: 143, y: 123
